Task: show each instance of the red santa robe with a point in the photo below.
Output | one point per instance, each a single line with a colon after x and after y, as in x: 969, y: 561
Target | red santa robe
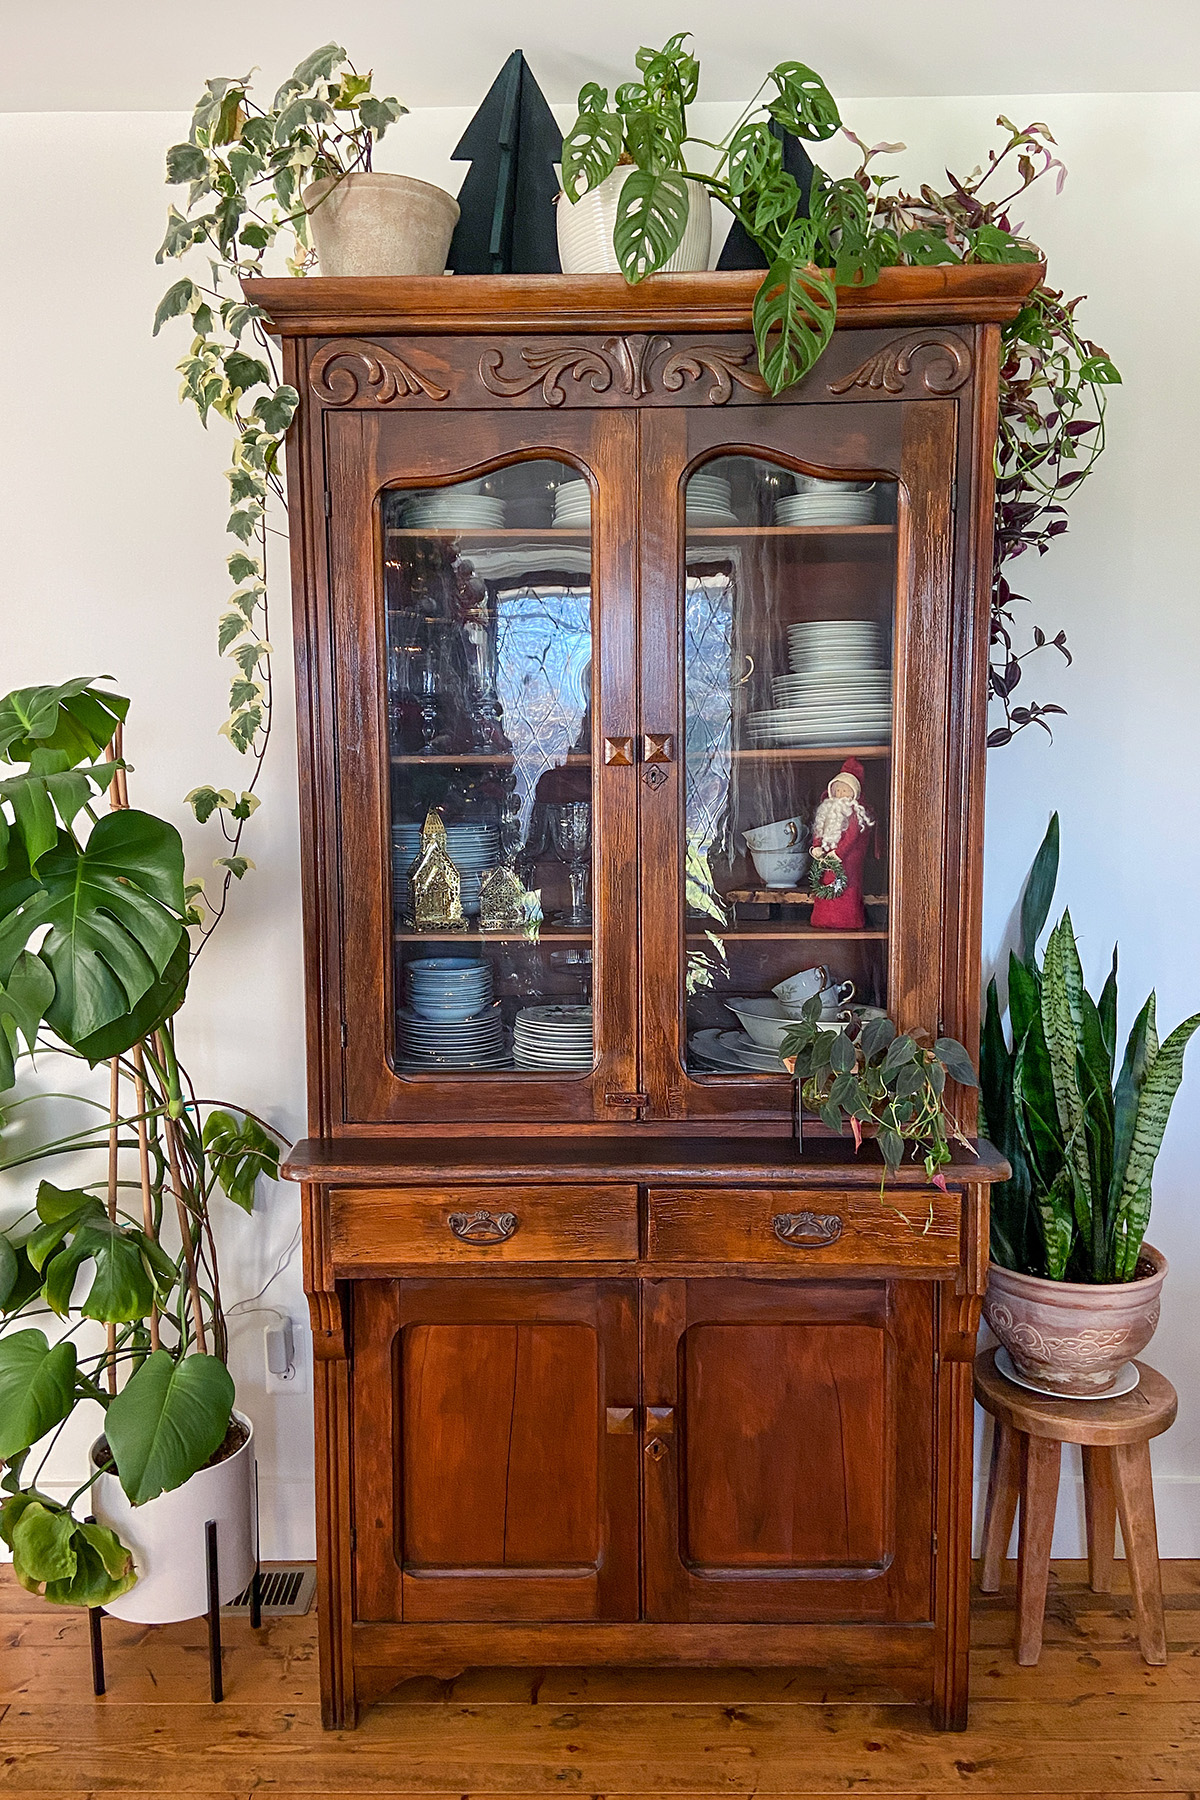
x: 845, y: 913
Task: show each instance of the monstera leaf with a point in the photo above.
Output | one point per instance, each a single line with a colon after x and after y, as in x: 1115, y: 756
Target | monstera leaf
x: 794, y: 314
x: 74, y: 718
x: 59, y: 1557
x: 162, y: 998
x: 115, y: 911
x: 37, y: 1389
x: 166, y: 1422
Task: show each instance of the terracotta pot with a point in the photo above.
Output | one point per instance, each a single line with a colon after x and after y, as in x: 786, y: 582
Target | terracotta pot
x: 166, y: 1536
x: 585, y: 230
x: 374, y: 224
x: 1073, y: 1336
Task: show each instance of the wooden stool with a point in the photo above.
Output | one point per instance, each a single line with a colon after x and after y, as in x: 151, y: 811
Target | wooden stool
x: 1031, y: 1430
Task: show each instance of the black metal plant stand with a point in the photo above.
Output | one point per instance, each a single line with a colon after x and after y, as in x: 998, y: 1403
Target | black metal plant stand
x: 213, y: 1614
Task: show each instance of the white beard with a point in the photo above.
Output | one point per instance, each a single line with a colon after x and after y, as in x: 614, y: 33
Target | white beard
x: 831, y: 820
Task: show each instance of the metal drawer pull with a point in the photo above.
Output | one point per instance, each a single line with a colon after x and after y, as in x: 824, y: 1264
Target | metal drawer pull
x: 807, y: 1230
x: 483, y: 1227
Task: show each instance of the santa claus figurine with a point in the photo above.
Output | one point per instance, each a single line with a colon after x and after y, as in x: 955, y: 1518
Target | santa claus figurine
x: 840, y: 839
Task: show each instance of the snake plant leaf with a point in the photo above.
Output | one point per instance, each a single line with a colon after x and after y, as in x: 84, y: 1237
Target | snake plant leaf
x: 115, y: 913
x: 1024, y: 996
x: 166, y: 1422
x: 803, y: 104
x: 1106, y: 1006
x: 995, y: 1073
x: 590, y: 151
x: 1035, y: 1112
x: 37, y: 1388
x: 74, y: 717
x: 1039, y: 892
x: 794, y: 314
x: 652, y: 215
x: 1154, y: 1109
x: 1062, y: 1044
x: 1141, y: 1048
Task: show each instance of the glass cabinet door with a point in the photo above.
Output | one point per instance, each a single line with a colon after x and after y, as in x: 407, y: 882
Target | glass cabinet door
x: 488, y: 820
x: 799, y: 607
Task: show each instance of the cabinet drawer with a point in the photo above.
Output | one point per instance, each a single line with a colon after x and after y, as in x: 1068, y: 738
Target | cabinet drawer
x: 798, y: 1227
x: 375, y: 1227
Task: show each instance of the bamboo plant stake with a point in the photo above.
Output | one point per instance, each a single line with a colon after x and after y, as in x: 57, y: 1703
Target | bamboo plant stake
x: 118, y: 799
x: 181, y: 1210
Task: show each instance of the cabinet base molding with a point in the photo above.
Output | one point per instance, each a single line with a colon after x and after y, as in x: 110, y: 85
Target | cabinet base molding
x: 420, y: 1648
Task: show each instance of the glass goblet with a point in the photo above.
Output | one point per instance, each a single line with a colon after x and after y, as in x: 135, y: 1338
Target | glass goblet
x: 570, y: 825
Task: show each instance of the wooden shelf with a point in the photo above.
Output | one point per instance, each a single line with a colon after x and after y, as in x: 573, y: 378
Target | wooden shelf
x: 763, y: 896
x: 778, y: 531
x: 782, y: 934
x: 793, y: 753
x: 479, y: 759
x: 507, y: 534
x: 544, y: 934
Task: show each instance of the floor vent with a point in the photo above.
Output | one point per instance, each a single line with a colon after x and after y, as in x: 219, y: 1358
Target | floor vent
x: 287, y: 1591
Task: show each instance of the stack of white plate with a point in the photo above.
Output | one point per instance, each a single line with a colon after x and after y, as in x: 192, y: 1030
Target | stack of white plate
x: 709, y: 500
x: 473, y: 848
x: 449, y: 988
x: 735, y: 1050
x: 573, y: 504
x: 839, y: 690
x: 553, y: 1037
x: 446, y: 1044
x: 452, y: 509
x: 827, y: 503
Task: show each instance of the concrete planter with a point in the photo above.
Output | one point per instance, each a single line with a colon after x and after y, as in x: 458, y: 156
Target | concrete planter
x: 585, y: 230
x: 166, y: 1537
x: 1074, y: 1337
x: 374, y: 224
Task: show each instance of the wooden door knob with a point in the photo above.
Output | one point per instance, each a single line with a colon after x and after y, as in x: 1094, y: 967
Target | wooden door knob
x: 658, y: 747
x: 619, y: 1421
x: 618, y: 752
x: 660, y: 1420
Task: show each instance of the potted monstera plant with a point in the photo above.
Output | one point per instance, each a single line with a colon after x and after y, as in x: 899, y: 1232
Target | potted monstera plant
x: 1074, y: 1288
x: 109, y: 1289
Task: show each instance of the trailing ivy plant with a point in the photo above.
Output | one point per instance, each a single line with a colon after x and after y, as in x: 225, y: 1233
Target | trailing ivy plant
x: 1082, y: 1136
x: 244, y: 167
x: 94, y: 967
x: 1052, y: 379
x: 882, y: 1083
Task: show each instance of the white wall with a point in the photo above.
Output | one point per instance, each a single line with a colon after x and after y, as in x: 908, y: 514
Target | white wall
x: 112, y: 548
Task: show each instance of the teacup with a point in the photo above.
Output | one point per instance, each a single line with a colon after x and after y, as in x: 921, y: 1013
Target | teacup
x: 780, y: 868
x: 800, y: 987
x: 834, y: 997
x: 781, y: 834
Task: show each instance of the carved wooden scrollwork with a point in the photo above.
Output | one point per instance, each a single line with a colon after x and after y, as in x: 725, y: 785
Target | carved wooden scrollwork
x: 482, y: 1227
x: 725, y: 366
x: 350, y: 369
x: 632, y: 364
x: 945, y: 365
x: 807, y: 1230
x: 328, y: 1325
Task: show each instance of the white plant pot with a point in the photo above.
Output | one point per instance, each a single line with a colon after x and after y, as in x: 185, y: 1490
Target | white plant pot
x: 376, y: 224
x: 167, y: 1538
x: 585, y: 229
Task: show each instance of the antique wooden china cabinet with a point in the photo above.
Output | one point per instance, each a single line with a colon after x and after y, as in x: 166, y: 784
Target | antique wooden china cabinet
x: 610, y: 1368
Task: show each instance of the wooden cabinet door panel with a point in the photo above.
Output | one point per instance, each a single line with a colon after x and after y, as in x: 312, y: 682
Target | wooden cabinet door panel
x: 794, y: 1480
x: 488, y: 1486
x: 912, y: 447
x: 367, y: 455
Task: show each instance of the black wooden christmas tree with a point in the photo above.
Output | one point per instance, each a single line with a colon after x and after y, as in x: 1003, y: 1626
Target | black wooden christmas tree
x: 740, y: 251
x: 507, y: 199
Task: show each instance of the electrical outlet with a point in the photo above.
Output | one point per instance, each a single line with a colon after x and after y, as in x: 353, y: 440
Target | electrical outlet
x: 281, y: 1354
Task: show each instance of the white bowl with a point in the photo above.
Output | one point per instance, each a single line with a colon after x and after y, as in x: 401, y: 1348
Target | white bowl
x: 764, y: 1020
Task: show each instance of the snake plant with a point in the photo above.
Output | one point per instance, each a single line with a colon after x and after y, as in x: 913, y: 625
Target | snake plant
x: 1082, y: 1135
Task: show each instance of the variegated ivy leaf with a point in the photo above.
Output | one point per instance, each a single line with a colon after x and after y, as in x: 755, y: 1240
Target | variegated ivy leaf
x: 243, y: 523
x: 237, y: 865
x: 243, y: 727
x: 241, y: 567
x: 244, y: 693
x: 230, y: 627
x: 248, y: 656
x: 247, y: 600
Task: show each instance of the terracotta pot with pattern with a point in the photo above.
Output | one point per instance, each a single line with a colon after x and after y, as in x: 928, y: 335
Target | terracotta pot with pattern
x: 1070, y: 1336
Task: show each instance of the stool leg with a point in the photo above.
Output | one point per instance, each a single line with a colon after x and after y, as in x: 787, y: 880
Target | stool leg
x: 1135, y: 1505
x: 1041, y: 1459
x: 1100, y: 1507
x: 1004, y: 1481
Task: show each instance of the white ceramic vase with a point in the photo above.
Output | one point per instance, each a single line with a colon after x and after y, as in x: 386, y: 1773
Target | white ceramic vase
x: 167, y: 1538
x: 376, y: 224
x: 585, y: 229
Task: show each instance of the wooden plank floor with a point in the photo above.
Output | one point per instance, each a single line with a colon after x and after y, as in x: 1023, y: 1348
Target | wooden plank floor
x: 1092, y: 1719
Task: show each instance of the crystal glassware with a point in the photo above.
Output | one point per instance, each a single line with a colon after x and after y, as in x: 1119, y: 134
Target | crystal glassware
x: 570, y: 825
